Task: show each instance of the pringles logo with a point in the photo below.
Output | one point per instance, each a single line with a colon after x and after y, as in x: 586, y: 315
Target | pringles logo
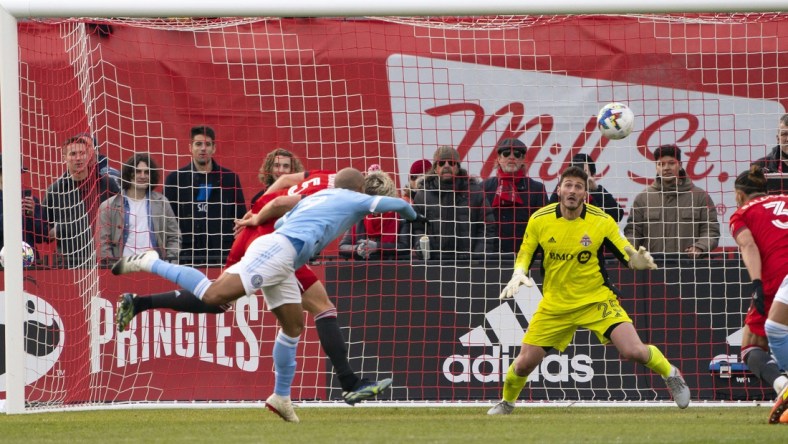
x: 44, y: 338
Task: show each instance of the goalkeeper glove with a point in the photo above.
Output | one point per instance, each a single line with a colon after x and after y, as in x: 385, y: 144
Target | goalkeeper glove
x: 640, y: 260
x: 518, y: 278
x: 757, y: 296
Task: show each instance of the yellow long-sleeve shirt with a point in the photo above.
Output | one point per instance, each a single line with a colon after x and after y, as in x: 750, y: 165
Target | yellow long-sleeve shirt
x: 573, y: 268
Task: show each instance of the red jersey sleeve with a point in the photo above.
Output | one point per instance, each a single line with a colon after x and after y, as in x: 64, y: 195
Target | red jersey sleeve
x: 767, y: 219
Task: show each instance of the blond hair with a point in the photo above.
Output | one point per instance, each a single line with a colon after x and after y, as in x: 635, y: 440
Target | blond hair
x: 379, y: 183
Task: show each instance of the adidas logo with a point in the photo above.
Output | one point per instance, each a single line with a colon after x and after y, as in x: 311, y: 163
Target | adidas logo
x: 500, y: 337
x: 551, y: 241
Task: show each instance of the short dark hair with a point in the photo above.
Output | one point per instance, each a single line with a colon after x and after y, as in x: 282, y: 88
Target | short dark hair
x: 129, y: 169
x: 202, y: 130
x: 752, y: 181
x: 574, y: 171
x: 784, y: 119
x: 580, y: 159
x: 667, y: 150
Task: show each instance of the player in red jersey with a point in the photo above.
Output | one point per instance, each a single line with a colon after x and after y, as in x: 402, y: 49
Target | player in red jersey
x: 279, y: 198
x: 760, y: 228
x: 295, y: 185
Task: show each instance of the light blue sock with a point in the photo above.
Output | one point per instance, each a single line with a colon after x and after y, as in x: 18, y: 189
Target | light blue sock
x: 778, y: 342
x: 186, y: 277
x: 284, y: 362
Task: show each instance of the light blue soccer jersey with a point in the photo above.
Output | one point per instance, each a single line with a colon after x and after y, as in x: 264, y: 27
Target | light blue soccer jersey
x: 320, y: 218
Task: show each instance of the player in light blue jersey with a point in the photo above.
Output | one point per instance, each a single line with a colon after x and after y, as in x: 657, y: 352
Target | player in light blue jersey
x: 271, y: 260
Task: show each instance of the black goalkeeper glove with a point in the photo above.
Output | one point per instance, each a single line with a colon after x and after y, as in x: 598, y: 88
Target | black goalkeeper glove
x: 757, y: 296
x: 420, y: 218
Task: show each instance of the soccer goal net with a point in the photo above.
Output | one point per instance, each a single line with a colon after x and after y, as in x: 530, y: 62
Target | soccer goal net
x: 376, y: 92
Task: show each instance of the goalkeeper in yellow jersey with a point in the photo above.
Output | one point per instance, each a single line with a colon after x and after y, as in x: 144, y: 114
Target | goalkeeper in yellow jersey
x: 576, y: 290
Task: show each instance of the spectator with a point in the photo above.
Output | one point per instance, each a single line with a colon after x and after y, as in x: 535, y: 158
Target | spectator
x: 101, y: 160
x: 140, y: 218
x: 415, y: 178
x: 206, y: 199
x: 777, y: 159
x: 34, y: 226
x: 672, y: 215
x: 277, y: 162
x: 459, y: 222
x: 597, y: 194
x: 512, y: 195
x: 72, y: 201
x: 375, y: 236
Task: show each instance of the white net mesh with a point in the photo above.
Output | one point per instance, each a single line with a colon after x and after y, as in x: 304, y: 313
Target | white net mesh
x: 388, y: 91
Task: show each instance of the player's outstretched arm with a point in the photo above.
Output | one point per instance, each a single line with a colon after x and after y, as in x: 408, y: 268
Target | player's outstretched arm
x: 518, y: 279
x: 285, y: 181
x: 384, y: 204
x: 272, y: 210
x: 641, y: 259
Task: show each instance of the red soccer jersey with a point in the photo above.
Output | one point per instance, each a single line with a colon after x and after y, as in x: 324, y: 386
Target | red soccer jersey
x: 313, y: 182
x: 767, y: 218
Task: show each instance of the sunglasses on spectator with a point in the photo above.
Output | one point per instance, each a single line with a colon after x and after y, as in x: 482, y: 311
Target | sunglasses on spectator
x: 518, y: 154
x: 450, y: 163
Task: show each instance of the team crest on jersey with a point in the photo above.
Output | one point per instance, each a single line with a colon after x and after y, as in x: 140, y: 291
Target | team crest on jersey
x: 257, y: 281
x: 585, y: 241
x: 584, y: 257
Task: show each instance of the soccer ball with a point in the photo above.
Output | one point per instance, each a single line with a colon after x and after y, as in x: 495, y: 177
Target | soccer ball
x: 615, y: 120
x: 28, y: 255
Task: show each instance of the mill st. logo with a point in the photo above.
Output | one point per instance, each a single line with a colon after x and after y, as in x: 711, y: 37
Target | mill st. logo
x: 437, y: 102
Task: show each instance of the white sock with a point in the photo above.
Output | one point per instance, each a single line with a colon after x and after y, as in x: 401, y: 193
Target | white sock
x: 780, y: 383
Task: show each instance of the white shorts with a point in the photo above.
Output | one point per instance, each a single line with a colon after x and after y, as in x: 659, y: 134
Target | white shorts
x: 268, y: 265
x: 782, y: 292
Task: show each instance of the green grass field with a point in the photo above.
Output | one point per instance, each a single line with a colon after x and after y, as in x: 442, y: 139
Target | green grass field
x: 393, y: 425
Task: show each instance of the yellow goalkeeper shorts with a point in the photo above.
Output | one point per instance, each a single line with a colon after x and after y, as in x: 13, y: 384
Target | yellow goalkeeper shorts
x: 557, y: 330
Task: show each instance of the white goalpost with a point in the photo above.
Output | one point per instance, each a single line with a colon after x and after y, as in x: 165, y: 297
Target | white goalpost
x: 347, y: 83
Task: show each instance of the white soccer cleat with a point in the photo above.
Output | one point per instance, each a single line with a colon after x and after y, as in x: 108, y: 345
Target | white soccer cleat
x: 282, y: 406
x: 136, y: 262
x: 502, y: 408
x: 678, y: 388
